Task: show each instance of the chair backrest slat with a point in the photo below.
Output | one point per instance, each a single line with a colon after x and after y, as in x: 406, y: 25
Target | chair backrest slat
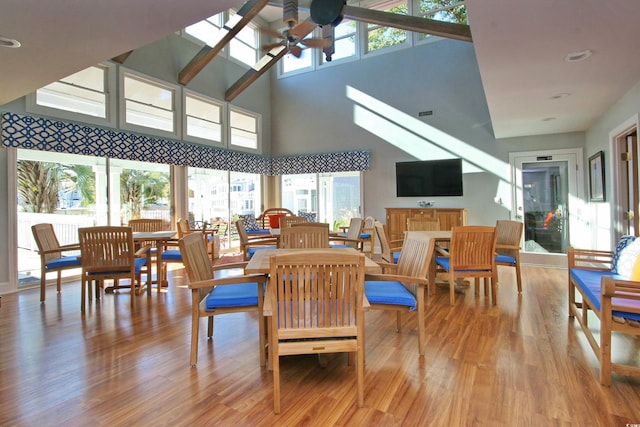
x: 106, y: 249
x: 473, y: 247
x: 302, y: 236
x: 419, y: 224
x: 508, y: 233
x: 46, y: 240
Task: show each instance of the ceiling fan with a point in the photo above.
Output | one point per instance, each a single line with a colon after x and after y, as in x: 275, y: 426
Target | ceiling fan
x: 293, y: 37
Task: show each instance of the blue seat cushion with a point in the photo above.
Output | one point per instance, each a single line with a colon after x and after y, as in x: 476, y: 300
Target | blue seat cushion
x: 62, y: 262
x: 258, y: 232
x: 443, y: 262
x: 396, y: 257
x: 172, y: 255
x: 389, y: 292
x: 365, y: 235
x: 589, y: 282
x: 252, y: 250
x: 139, y: 263
x: 341, y: 246
x: 504, y: 259
x: 238, y: 295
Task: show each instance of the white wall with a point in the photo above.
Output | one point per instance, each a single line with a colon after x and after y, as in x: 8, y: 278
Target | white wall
x: 314, y: 113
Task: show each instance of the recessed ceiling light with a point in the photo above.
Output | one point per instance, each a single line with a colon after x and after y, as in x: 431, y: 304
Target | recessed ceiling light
x: 548, y: 119
x: 8, y: 42
x: 578, y: 56
x: 560, y: 95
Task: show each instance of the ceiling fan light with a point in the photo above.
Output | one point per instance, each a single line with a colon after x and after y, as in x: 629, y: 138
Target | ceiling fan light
x: 9, y: 42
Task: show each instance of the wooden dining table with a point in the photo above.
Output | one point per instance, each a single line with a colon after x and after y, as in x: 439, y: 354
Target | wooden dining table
x: 160, y: 240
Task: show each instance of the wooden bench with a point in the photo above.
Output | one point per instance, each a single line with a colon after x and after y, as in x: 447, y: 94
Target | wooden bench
x: 614, y: 300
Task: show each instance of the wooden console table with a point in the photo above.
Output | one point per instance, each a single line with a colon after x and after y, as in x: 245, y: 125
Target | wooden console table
x: 397, y: 218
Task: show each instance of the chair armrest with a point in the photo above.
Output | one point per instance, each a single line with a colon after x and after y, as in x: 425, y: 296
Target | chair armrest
x: 233, y: 280
x: 230, y: 266
x: 387, y: 265
x: 63, y: 248
x: 142, y: 252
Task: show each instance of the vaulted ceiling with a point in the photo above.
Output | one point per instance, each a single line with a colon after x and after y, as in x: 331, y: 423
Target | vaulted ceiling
x: 520, y: 49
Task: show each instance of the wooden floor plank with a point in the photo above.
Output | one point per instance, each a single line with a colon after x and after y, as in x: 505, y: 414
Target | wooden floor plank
x: 522, y: 362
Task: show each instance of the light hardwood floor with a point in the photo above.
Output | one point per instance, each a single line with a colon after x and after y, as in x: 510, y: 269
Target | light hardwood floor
x: 520, y: 363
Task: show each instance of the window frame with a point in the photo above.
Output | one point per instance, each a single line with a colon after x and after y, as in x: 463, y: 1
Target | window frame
x: 110, y: 91
x: 176, y: 104
x: 223, y: 143
x: 257, y: 117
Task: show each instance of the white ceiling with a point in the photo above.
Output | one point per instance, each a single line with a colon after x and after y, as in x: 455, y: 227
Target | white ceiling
x: 520, y: 46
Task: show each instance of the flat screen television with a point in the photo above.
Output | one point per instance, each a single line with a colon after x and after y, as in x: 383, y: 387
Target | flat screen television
x: 429, y: 178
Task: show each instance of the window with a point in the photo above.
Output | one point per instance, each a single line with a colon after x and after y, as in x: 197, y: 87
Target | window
x: 334, y: 197
x: 203, y: 119
x: 148, y: 103
x: 207, y: 30
x: 244, y: 128
x: 244, y: 46
x: 208, y: 191
x: 88, y: 93
x: 379, y: 37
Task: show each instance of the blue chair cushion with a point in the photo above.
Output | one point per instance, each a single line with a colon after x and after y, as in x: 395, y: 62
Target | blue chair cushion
x: 238, y: 295
x: 172, y: 255
x: 139, y: 263
x: 396, y: 257
x: 589, y: 281
x: 365, y: 235
x: 65, y: 261
x: 340, y: 246
x: 250, y: 222
x: 443, y: 262
x: 259, y: 232
x: 252, y: 250
x: 389, y: 292
x: 504, y: 259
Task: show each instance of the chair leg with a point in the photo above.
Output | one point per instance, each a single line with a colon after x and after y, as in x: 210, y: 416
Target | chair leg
x: 398, y: 321
x: 452, y: 289
x: 210, y: 327
x: 195, y: 326
x: 276, y: 381
x: 518, y: 278
x: 59, y: 281
x: 43, y: 283
x: 83, y: 293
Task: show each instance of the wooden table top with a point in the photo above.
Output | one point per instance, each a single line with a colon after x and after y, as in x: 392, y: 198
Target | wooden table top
x: 153, y: 235
x: 259, y: 263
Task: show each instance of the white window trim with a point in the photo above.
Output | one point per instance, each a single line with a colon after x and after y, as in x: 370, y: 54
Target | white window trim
x: 223, y: 120
x: 110, y: 89
x: 257, y: 116
x: 177, y: 105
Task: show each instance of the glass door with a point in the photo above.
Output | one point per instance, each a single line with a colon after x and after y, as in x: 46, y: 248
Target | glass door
x: 547, y: 201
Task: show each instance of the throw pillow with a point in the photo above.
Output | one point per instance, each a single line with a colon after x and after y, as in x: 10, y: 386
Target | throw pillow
x: 250, y: 223
x: 623, y: 243
x: 311, y: 216
x: 635, y: 272
x: 628, y: 258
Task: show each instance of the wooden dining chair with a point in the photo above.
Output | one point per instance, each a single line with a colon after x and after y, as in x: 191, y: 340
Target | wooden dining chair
x: 213, y: 293
x: 169, y: 253
x: 471, y: 253
x: 351, y: 238
x: 108, y: 253
x: 421, y: 224
x: 250, y: 244
x: 287, y: 221
x: 389, y: 249
x: 315, y: 301
x: 401, y: 287
x: 508, y: 237
x: 51, y: 255
x: 300, y: 236
x: 184, y: 228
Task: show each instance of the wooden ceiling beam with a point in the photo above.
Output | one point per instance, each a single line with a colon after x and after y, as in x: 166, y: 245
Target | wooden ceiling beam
x: 248, y: 11
x: 410, y: 23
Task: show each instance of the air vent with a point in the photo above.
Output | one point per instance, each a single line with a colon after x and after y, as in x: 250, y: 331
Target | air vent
x: 425, y: 113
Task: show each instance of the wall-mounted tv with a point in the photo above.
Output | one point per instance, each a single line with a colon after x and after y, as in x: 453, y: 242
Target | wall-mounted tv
x: 429, y: 178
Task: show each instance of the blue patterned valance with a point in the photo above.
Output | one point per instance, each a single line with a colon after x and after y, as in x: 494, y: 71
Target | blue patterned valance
x: 38, y: 133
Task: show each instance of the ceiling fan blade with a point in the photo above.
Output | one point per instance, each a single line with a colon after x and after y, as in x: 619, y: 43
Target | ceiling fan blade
x: 315, y: 42
x: 303, y: 28
x: 295, y: 51
x: 270, y: 32
x: 408, y: 22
